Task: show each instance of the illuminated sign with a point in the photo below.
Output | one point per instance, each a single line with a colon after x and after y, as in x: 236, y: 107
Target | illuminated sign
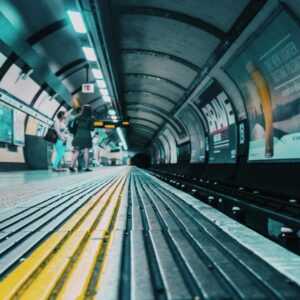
x: 110, y: 125
x: 99, y: 124
x: 88, y: 88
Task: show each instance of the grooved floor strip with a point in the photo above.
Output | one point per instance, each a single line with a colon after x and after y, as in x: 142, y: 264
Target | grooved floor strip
x: 40, y: 274
x: 130, y: 237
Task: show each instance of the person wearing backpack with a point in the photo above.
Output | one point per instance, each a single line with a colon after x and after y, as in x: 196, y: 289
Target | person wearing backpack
x: 82, y: 137
x: 72, y: 123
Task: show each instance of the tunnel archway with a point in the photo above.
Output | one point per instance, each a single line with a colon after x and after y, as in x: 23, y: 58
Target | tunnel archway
x: 141, y: 160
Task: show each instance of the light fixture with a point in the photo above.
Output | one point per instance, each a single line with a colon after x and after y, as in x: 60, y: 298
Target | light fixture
x: 111, y: 112
x: 26, y: 74
x: 101, y: 84
x: 121, y: 136
x: 77, y: 21
x: 89, y: 53
x: 104, y: 92
x: 97, y: 73
x: 106, y: 98
x: 115, y: 121
x: 114, y: 117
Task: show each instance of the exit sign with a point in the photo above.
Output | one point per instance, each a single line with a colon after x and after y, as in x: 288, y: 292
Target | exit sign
x: 88, y: 88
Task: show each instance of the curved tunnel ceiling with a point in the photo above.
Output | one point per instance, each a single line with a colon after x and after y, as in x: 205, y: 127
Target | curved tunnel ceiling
x: 157, y: 66
x: 164, y: 49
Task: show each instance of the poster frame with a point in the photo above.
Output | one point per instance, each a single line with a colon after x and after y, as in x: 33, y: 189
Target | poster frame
x: 261, y: 28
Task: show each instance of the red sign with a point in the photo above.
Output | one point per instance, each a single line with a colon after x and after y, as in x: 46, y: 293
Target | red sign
x: 88, y: 88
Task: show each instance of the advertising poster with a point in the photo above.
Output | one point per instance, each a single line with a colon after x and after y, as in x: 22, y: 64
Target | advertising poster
x: 167, y: 156
x: 172, y: 145
x: 189, y: 117
x: 218, y: 113
x: 267, y: 73
x: 19, y: 128
x: 6, y: 121
x: 41, y: 129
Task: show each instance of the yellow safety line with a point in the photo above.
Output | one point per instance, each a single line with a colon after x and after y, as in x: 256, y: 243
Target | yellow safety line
x: 25, y: 273
x: 43, y: 286
x: 75, y: 286
x: 104, y: 264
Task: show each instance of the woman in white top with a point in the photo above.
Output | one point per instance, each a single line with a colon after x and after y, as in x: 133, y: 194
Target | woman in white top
x: 60, y: 146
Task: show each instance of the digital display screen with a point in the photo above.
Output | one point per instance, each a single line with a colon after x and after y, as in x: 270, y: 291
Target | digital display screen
x: 6, y: 124
x: 267, y: 73
x: 216, y: 108
x: 188, y: 116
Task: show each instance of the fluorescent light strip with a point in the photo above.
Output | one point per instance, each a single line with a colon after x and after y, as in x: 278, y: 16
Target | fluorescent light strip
x: 89, y: 53
x: 104, y: 92
x: 97, y: 73
x: 101, y: 84
x: 77, y: 21
x: 111, y: 112
x: 106, y: 98
x: 121, y: 136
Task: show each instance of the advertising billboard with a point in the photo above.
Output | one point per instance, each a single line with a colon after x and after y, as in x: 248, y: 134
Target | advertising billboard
x: 19, y: 128
x: 166, y: 146
x: 6, y: 124
x: 217, y: 110
x: 267, y: 72
x: 189, y: 117
x: 172, y: 145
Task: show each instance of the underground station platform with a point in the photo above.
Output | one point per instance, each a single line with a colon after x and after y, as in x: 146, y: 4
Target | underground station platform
x: 121, y: 233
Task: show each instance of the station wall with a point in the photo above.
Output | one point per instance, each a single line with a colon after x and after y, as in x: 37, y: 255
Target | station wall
x: 249, y: 109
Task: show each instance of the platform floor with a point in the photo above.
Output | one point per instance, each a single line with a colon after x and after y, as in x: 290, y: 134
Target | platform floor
x: 16, y: 187
x: 120, y: 233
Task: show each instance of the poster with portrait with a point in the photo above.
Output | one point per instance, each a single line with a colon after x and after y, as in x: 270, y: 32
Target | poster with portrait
x: 267, y: 72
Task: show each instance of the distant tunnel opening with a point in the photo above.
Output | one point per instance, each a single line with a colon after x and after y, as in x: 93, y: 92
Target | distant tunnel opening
x: 141, y: 160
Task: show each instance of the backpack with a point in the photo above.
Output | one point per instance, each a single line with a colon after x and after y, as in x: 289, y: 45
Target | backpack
x: 72, y: 125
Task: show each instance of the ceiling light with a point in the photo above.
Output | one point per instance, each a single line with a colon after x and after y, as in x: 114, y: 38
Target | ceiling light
x: 120, y: 133
x: 89, y: 53
x: 101, y: 84
x: 115, y: 121
x: 111, y: 112
x: 114, y: 117
x: 77, y: 21
x: 104, y: 92
x: 97, y: 73
x: 106, y: 98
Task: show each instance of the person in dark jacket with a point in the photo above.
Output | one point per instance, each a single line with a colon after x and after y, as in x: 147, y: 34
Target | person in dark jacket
x: 83, y: 138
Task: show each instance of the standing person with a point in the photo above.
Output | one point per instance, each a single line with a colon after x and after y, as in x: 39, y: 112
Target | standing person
x: 72, y: 126
x: 60, y: 146
x: 83, y: 138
